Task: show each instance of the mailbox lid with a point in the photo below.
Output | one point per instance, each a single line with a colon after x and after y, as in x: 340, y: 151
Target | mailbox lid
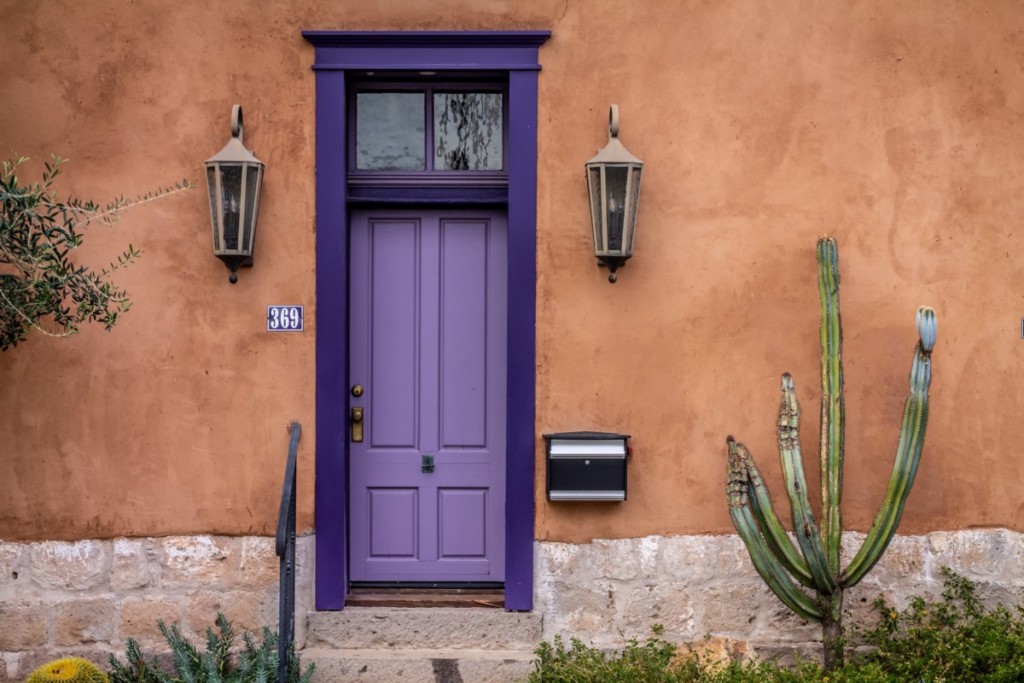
x: 587, y: 445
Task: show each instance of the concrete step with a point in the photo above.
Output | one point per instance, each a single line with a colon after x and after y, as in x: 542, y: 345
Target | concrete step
x: 434, y: 628
x: 418, y: 666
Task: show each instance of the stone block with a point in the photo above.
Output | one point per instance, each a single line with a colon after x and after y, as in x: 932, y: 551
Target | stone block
x: 10, y: 563
x: 849, y: 544
x: 778, y: 621
x: 391, y: 628
x: 411, y: 666
x: 624, y: 559
x: 704, y: 558
x: 244, y: 609
x: 858, y: 604
x: 132, y: 564
x: 585, y: 610
x: 564, y: 559
x: 259, y: 565
x: 716, y: 653
x: 22, y: 626
x: 904, y: 560
x: 977, y: 553
x: 197, y: 561
x: 667, y: 604
x: 994, y: 594
x: 733, y: 608
x: 64, y: 565
x: 84, y: 621
x: 9, y: 664
x: 139, y: 618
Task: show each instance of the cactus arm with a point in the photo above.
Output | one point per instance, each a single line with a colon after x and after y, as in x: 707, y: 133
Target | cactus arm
x: 804, y: 526
x: 908, y: 455
x: 766, y: 564
x: 778, y: 541
x: 832, y: 403
x: 770, y: 570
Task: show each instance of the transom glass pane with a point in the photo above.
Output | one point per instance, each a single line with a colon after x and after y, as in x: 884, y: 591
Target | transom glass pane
x: 390, y: 134
x: 467, y: 131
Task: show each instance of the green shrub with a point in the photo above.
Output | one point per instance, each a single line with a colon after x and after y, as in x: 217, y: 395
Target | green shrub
x: 255, y: 663
x: 652, y: 661
x: 645, y: 662
x: 952, y: 640
x: 957, y: 639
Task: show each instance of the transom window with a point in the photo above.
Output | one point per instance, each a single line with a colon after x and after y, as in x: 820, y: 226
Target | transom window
x: 428, y: 128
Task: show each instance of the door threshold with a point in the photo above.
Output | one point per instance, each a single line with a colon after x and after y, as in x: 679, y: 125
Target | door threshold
x: 423, y: 597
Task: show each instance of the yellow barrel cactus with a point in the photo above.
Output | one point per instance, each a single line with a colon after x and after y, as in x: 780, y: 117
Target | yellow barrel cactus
x: 68, y: 670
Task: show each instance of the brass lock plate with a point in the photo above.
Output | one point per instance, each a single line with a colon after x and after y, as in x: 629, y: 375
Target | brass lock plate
x: 357, y: 425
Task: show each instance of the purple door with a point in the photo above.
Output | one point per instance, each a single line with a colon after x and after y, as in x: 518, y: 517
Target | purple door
x: 428, y: 350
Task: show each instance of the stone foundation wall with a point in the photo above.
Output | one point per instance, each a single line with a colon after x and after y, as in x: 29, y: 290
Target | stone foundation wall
x: 86, y: 598
x: 609, y: 590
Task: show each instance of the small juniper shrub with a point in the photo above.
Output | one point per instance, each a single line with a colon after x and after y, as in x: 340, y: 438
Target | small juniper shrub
x: 953, y: 640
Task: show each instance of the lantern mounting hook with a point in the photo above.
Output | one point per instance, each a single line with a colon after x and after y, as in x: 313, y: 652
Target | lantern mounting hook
x: 613, y: 121
x: 236, y: 122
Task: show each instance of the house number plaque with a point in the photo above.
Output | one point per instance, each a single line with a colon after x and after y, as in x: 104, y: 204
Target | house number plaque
x: 284, y: 318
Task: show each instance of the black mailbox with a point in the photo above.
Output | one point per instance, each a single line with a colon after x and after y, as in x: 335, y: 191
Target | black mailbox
x: 587, y: 466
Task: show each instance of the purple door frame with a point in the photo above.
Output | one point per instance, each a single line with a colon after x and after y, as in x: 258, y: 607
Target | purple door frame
x: 514, y: 53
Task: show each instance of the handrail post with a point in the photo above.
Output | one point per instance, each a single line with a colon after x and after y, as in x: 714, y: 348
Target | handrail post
x: 285, y: 548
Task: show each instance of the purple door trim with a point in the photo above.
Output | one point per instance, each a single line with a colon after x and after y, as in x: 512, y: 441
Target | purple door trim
x: 514, y: 52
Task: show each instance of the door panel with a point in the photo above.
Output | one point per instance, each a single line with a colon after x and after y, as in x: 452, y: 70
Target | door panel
x: 428, y: 337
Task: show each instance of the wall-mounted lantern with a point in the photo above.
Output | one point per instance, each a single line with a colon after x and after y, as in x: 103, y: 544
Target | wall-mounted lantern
x: 234, y: 176
x: 613, y: 179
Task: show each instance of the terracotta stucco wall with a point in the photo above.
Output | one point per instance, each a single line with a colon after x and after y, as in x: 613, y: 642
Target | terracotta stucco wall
x: 894, y: 128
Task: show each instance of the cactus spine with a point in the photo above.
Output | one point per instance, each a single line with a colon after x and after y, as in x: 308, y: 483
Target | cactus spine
x: 68, y: 670
x: 813, y: 561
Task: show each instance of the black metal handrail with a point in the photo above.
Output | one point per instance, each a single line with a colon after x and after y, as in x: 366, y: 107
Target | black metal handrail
x: 285, y: 548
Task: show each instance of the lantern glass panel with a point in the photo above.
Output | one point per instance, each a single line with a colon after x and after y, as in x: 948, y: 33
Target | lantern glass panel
x: 211, y: 179
x: 615, y: 205
x: 634, y: 202
x: 390, y: 132
x: 252, y: 185
x: 231, y: 191
x: 596, y: 221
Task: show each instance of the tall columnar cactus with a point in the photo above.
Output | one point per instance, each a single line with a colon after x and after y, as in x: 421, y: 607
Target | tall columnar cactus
x: 813, y: 562
x: 68, y: 670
